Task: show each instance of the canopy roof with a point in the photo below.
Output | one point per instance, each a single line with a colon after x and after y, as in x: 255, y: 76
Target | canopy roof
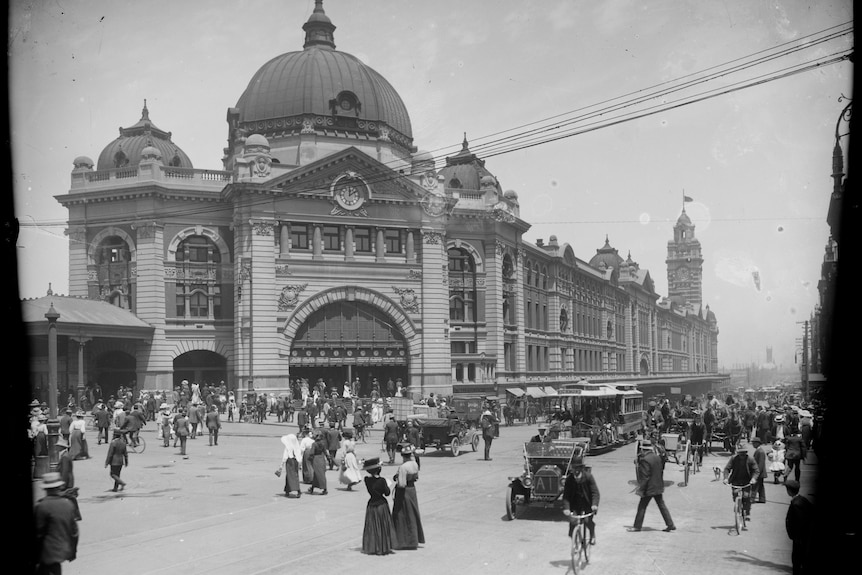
x: 83, y: 317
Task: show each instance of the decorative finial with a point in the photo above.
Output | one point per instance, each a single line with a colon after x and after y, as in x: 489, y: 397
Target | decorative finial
x: 319, y: 28
x: 50, y: 291
x: 145, y: 113
x: 464, y: 144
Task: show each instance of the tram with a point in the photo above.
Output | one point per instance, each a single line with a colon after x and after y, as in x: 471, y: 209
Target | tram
x: 604, y: 415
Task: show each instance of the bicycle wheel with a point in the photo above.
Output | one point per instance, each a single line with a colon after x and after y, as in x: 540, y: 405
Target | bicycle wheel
x: 686, y: 465
x: 586, y: 547
x: 141, y: 446
x: 737, y: 514
x: 577, y: 550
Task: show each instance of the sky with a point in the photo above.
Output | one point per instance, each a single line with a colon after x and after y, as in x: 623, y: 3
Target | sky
x: 756, y: 161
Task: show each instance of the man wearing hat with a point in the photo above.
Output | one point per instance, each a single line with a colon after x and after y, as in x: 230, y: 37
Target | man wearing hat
x: 742, y: 471
x: 650, y: 473
x: 542, y: 436
x: 118, y: 457
x: 56, y: 528
x: 581, y: 496
x: 488, y: 422
x: 102, y: 419
x: 761, y: 452
x: 794, y: 454
x: 333, y: 442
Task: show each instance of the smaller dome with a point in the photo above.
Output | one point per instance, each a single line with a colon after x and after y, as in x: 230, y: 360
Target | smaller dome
x: 257, y: 140
x: 683, y: 218
x: 83, y: 163
x: 487, y: 180
x: 511, y: 195
x: 606, y: 256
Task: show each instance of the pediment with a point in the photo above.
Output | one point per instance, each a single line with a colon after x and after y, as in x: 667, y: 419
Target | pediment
x: 371, y: 181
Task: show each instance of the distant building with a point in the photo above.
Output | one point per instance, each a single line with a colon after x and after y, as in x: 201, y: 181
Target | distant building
x: 330, y: 247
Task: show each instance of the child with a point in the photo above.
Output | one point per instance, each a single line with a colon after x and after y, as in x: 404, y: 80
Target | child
x: 776, y: 460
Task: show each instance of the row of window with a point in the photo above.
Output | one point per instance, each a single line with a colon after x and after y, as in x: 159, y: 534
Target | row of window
x: 333, y: 237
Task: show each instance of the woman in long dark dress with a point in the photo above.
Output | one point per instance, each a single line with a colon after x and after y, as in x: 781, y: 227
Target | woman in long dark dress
x: 306, y: 447
x: 405, y: 511
x: 319, y: 464
x: 290, y: 460
x: 378, y: 535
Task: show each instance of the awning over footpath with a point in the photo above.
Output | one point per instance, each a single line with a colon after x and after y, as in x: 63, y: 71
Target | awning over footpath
x: 83, y: 317
x: 535, y: 392
x: 550, y: 391
x: 516, y: 391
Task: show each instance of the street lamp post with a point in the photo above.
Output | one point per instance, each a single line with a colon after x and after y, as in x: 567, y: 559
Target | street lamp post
x: 52, y: 316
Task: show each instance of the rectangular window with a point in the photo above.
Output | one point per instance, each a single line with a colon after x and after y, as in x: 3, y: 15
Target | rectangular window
x: 217, y: 301
x: 393, y: 241
x: 331, y: 238
x: 181, y: 300
x: 362, y: 239
x: 299, y: 236
x: 198, y: 305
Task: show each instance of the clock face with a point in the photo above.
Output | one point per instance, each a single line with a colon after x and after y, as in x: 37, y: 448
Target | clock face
x: 350, y: 193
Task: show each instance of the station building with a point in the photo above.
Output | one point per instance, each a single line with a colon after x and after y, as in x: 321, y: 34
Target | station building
x: 330, y: 246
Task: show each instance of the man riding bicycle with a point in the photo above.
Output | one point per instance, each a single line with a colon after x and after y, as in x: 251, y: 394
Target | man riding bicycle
x: 581, y: 496
x: 742, y: 471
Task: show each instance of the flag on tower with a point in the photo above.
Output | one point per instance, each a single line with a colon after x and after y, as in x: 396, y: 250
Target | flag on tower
x: 686, y: 198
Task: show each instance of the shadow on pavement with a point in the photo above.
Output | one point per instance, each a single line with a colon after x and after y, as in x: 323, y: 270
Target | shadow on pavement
x: 749, y: 560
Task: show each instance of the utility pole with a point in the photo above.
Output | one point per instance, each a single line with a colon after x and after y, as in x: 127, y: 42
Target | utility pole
x: 803, y: 369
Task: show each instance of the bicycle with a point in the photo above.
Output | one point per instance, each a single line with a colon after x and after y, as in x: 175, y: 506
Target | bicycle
x: 580, y: 549
x: 696, y: 457
x: 138, y: 447
x: 739, y: 508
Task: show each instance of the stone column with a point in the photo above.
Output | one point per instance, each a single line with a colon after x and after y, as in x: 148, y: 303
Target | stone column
x: 348, y: 244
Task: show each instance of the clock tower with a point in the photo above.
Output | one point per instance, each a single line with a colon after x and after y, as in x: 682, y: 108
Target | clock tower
x: 684, y: 263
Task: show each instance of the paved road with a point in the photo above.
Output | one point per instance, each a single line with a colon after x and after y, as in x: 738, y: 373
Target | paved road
x: 221, y: 511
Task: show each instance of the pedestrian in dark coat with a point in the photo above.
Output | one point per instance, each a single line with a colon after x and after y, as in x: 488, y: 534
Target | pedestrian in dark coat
x: 798, y: 523
x: 378, y: 535
x: 65, y: 421
x: 118, y: 457
x: 391, y: 435
x: 794, y: 455
x: 103, y: 422
x: 182, y: 430
x: 488, y: 423
x: 56, y: 527
x: 333, y: 442
x: 213, y: 424
x: 318, y: 463
x: 650, y: 473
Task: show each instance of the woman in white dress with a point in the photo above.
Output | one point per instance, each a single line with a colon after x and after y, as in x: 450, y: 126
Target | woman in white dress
x: 77, y: 441
x: 350, y: 473
x: 776, y: 460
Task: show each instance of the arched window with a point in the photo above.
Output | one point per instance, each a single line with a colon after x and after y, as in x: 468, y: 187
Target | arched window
x: 198, y: 285
x: 113, y: 257
x: 462, y: 286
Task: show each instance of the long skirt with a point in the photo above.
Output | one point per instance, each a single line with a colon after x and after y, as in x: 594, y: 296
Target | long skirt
x: 378, y: 535
x: 350, y: 471
x: 307, y: 470
x: 406, y: 519
x: 291, y: 476
x: 78, y: 445
x: 318, y: 463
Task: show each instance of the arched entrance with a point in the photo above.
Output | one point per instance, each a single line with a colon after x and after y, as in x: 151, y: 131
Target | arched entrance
x: 201, y: 367
x: 347, y: 339
x: 115, y: 369
x: 644, y: 366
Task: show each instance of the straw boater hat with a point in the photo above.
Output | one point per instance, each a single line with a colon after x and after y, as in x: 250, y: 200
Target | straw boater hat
x: 62, y: 443
x: 371, y: 464
x: 163, y: 406
x: 118, y: 405
x: 52, y: 480
x: 407, y: 449
x: 79, y: 413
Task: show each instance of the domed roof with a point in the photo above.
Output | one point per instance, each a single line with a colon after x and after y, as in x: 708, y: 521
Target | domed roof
x: 683, y: 219
x: 127, y: 149
x: 465, y: 171
x: 338, y: 88
x: 607, y: 256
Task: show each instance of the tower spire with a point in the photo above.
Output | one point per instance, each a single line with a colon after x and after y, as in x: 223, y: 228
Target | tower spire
x: 319, y: 29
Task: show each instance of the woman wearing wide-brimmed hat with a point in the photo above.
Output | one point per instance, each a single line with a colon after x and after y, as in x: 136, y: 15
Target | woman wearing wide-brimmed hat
x: 290, y: 461
x: 378, y: 534
x: 405, y: 510
x: 77, y: 441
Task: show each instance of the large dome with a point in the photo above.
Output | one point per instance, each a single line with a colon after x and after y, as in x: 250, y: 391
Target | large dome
x: 607, y: 256
x: 321, y: 88
x: 127, y: 149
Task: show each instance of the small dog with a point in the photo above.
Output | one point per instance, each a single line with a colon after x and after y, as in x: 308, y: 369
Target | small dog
x: 716, y: 469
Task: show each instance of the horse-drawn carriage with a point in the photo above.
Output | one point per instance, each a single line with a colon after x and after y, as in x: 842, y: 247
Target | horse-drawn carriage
x: 546, y: 465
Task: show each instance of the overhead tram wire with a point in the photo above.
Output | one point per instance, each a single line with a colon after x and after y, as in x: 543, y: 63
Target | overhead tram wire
x: 530, y: 138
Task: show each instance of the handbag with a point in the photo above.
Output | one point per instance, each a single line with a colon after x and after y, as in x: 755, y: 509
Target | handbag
x: 278, y: 472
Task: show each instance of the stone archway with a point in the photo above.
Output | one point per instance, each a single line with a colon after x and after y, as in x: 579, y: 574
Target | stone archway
x: 644, y: 365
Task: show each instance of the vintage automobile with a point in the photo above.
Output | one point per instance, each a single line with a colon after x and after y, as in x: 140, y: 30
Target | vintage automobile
x: 546, y: 465
x: 448, y: 433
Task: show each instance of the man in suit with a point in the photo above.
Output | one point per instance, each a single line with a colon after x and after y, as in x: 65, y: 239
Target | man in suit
x: 65, y: 421
x: 650, y: 474
x: 794, y: 454
x: 118, y: 457
x: 213, y: 424
x: 760, y: 455
x: 56, y: 527
x: 103, y: 421
x: 333, y: 442
x: 194, y: 419
x: 798, y: 523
